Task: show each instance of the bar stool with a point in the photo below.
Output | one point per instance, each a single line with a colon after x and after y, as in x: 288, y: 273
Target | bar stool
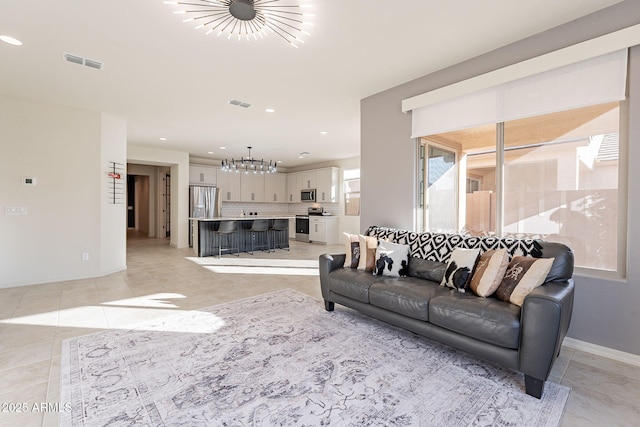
x: 228, y: 230
x: 259, y: 227
x: 280, y: 236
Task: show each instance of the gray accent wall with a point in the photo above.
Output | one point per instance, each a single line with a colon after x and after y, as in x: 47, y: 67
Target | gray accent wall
x: 606, y: 312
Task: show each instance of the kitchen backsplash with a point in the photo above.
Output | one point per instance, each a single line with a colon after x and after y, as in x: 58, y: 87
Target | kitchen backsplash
x: 234, y: 208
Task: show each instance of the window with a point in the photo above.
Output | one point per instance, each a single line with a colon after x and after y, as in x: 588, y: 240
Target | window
x: 351, y: 182
x: 559, y: 180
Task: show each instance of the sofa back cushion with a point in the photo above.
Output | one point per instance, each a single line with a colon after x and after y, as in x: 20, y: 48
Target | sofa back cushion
x: 426, y: 269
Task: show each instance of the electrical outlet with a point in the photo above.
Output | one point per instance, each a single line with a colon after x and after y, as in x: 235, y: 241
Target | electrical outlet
x: 85, y: 256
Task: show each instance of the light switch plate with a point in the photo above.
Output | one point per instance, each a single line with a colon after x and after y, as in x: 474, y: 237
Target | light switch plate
x: 15, y: 210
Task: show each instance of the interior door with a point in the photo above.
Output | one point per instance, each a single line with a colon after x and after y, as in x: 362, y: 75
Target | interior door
x: 441, y: 213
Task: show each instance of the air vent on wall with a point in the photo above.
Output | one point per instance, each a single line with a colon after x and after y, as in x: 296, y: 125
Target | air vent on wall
x: 91, y: 63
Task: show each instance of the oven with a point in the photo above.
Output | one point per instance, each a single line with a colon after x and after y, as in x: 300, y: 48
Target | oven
x: 302, y: 228
x: 302, y: 224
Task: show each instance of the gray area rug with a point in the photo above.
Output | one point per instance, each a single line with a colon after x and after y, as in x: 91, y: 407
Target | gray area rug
x: 280, y: 359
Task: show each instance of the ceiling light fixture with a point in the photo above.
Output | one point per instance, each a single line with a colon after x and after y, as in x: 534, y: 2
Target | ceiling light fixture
x: 249, y: 164
x: 10, y: 40
x: 270, y: 110
x: 246, y: 19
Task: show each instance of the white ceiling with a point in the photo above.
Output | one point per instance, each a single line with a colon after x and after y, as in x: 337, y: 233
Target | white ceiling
x: 168, y: 80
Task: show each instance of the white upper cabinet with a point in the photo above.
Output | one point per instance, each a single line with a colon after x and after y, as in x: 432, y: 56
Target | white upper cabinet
x: 294, y: 185
x: 324, y: 181
x: 229, y: 183
x: 202, y: 175
x: 252, y: 187
x: 275, y: 188
x: 309, y: 180
x: 327, y: 185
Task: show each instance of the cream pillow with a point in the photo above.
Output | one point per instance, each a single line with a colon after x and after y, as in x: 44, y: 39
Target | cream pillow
x: 352, y: 249
x: 489, y: 272
x: 368, y: 245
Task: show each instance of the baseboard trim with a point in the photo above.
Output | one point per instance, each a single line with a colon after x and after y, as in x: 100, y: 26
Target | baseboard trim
x: 620, y: 356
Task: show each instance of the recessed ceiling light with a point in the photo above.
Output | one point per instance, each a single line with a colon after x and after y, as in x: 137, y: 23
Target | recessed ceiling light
x: 163, y: 139
x: 270, y: 110
x: 10, y: 40
x: 223, y: 148
x: 210, y: 152
x: 324, y: 132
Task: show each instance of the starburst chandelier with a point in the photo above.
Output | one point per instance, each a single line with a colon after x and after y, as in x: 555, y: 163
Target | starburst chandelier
x: 246, y: 19
x: 249, y: 164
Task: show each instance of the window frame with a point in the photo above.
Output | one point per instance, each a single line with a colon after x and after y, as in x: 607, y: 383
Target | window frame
x: 620, y: 273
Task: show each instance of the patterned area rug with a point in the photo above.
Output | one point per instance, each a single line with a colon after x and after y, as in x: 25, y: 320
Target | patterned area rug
x: 280, y: 359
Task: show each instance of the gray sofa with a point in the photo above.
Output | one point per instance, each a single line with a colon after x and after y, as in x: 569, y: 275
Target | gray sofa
x: 526, y: 339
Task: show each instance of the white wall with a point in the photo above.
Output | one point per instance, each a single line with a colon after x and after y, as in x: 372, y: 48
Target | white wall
x: 113, y: 217
x: 179, y: 163
x: 65, y: 150
x: 606, y: 312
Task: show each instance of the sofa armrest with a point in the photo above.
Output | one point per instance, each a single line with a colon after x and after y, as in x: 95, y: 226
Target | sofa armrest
x: 328, y: 263
x: 545, y: 318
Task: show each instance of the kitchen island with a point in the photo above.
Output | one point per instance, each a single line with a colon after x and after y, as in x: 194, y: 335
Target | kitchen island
x: 205, y: 240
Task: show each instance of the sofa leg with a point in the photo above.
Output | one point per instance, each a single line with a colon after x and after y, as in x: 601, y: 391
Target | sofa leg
x: 533, y: 386
x: 328, y: 305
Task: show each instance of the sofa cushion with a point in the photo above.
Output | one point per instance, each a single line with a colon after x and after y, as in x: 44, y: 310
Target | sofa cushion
x: 351, y: 283
x: 408, y: 296
x: 486, y: 319
x: 426, y: 269
x: 392, y: 259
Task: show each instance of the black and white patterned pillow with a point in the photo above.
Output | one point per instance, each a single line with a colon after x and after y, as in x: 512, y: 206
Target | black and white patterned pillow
x: 459, y: 268
x: 392, y: 259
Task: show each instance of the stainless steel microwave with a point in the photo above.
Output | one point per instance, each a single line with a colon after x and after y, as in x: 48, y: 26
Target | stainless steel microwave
x: 308, y: 195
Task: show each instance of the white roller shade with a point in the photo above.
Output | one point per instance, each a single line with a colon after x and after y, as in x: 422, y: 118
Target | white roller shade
x: 589, y: 82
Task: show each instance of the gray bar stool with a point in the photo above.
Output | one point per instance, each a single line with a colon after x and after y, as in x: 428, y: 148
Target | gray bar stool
x: 229, y: 231
x: 279, y: 232
x: 260, y: 229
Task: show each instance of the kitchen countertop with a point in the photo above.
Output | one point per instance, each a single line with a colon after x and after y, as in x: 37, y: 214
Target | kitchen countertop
x: 245, y: 218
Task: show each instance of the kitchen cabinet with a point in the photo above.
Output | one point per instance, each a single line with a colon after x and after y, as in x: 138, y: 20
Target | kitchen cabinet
x: 275, y: 188
x: 292, y: 228
x: 327, y: 185
x: 202, y: 175
x: 323, y: 229
x: 325, y: 181
x: 251, y: 187
x: 294, y: 185
x: 229, y: 183
x: 309, y: 180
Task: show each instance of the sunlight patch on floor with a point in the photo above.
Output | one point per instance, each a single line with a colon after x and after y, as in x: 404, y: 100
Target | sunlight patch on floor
x: 242, y: 269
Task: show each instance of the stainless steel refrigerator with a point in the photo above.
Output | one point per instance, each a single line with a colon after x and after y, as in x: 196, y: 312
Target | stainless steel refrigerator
x: 205, y: 201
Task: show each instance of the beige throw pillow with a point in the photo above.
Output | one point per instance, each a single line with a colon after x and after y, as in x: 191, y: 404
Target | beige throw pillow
x: 489, y: 272
x: 368, y: 245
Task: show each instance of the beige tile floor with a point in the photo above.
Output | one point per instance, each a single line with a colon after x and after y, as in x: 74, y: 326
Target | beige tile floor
x: 160, y: 281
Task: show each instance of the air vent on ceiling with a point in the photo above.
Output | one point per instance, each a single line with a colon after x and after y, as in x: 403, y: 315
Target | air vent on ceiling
x: 82, y: 61
x: 239, y: 103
